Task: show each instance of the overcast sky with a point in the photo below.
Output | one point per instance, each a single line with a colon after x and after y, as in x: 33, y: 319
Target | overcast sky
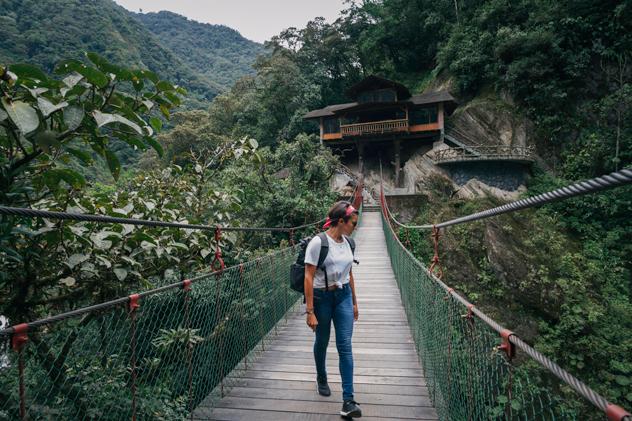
x: 257, y: 20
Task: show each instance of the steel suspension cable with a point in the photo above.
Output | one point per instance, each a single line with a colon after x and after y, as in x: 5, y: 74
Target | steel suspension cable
x: 605, y: 182
x: 36, y: 213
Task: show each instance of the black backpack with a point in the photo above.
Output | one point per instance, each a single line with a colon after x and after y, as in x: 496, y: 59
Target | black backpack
x: 297, y: 269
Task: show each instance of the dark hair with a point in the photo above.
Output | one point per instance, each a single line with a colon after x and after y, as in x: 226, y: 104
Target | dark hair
x: 339, y: 210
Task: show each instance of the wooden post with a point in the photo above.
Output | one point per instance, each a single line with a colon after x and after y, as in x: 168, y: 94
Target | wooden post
x: 397, y: 146
x: 322, y: 131
x: 360, y: 158
x: 440, y: 121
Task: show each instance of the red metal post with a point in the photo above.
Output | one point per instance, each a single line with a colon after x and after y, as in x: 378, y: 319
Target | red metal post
x: 243, y: 320
x: 133, y: 306
x: 435, y: 259
x: 18, y: 340
x: 506, y: 344
x: 218, y: 263
x: 219, y: 332
x: 616, y: 413
x: 186, y: 288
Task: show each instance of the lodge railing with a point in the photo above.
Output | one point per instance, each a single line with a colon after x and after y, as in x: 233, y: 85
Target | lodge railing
x: 375, y: 127
x: 485, y: 153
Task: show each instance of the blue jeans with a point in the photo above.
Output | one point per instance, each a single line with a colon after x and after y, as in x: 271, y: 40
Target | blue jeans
x: 336, y: 305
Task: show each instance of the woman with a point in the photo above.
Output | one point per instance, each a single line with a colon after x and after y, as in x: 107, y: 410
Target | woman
x: 330, y: 295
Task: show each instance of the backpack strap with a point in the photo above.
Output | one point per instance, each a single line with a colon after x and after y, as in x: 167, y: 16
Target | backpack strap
x: 324, y: 249
x: 352, y: 244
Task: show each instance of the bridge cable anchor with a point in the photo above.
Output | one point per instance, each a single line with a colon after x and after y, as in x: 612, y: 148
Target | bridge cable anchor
x: 506, y: 346
x: 217, y: 265
x: 436, y: 263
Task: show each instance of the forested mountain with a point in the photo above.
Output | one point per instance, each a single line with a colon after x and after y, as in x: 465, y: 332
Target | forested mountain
x: 44, y: 32
x: 215, y: 51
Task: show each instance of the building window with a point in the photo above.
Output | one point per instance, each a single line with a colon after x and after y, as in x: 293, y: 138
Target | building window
x: 331, y: 125
x: 378, y: 95
x: 425, y: 115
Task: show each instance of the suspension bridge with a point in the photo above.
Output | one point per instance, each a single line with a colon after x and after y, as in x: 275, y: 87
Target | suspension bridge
x: 232, y: 344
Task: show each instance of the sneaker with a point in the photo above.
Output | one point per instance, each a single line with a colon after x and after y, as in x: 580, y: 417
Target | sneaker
x: 351, y: 409
x: 323, y: 387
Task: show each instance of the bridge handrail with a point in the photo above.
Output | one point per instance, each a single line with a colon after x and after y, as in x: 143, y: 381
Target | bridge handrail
x: 5, y: 210
x: 605, y: 182
x: 37, y: 213
x: 503, y: 152
x: 509, y: 338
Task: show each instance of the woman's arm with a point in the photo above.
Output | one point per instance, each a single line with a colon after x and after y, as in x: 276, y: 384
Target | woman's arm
x: 310, y: 270
x: 353, y: 295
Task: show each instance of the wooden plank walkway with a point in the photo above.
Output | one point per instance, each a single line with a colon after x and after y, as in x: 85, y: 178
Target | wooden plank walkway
x: 388, y: 380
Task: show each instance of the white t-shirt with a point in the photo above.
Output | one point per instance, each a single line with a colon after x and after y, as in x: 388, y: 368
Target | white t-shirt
x: 338, y: 261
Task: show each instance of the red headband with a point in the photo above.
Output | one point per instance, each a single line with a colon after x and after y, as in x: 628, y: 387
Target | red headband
x: 349, y: 211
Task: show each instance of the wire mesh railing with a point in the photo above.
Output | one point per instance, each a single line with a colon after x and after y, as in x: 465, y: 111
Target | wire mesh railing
x: 468, y: 376
x: 154, y: 355
x: 469, y: 360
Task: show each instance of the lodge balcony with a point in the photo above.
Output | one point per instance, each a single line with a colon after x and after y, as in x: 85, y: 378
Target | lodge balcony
x: 372, y: 128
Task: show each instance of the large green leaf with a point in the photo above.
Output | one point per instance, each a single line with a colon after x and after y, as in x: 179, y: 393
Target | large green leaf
x: 28, y: 71
x: 150, y: 75
x: 103, y: 118
x: 173, y: 98
x: 156, y: 123
x: 105, y: 66
x: 22, y: 114
x: 71, y: 80
x: 53, y: 177
x: 163, y: 85
x: 76, y: 259
x: 156, y: 145
x: 47, y: 108
x: 94, y: 76
x: 68, y: 66
x: 36, y: 92
x: 113, y: 163
x: 73, y: 116
x: 134, y: 141
x: 121, y: 273
x: 83, y: 156
x: 3, y: 115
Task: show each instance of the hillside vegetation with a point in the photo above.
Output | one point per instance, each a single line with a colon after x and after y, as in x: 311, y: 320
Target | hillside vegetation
x: 46, y: 32
x: 217, y: 52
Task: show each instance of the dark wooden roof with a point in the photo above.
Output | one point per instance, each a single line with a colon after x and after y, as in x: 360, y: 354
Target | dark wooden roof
x: 432, y: 98
x: 376, y: 82
x: 329, y: 110
x: 421, y: 99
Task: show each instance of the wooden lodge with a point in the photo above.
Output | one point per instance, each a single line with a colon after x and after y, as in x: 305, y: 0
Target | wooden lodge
x: 382, y: 115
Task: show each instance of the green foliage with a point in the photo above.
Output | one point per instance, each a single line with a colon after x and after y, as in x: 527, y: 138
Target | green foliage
x: 45, y: 123
x: 180, y: 339
x: 286, y: 187
x: 217, y: 52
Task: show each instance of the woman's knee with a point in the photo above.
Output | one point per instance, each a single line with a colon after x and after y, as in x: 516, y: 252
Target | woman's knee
x: 343, y: 345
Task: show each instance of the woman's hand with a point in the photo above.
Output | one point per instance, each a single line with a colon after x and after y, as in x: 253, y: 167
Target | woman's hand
x: 355, y: 312
x: 312, y: 322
